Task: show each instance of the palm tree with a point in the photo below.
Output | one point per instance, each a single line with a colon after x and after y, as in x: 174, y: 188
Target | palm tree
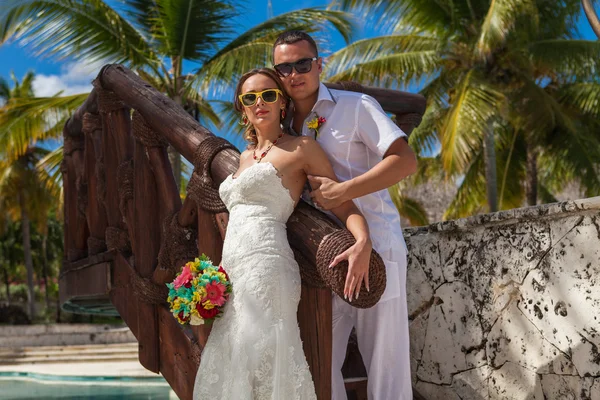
x: 23, y: 195
x: 506, y: 81
x: 155, y: 37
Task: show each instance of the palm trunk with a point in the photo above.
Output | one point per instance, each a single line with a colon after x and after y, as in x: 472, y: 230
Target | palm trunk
x: 45, y: 270
x: 591, y: 15
x: 531, y: 181
x: 490, y: 169
x: 174, y: 156
x: 28, y: 259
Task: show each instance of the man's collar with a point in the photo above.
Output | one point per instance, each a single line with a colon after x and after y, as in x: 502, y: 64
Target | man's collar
x: 324, y: 94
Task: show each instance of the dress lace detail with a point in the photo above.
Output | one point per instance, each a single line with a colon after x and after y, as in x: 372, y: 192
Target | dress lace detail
x: 254, y: 351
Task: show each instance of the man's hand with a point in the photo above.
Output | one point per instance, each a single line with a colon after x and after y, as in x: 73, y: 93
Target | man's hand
x: 327, y: 193
x: 358, y: 257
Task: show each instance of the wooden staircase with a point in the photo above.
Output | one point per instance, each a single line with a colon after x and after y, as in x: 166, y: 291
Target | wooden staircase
x: 122, y: 211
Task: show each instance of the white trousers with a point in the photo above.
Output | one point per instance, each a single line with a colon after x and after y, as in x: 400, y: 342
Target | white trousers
x: 382, y: 333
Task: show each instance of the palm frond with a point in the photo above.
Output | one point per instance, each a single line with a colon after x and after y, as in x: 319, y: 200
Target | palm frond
x: 87, y: 30
x: 471, y: 109
x: 223, y: 72
x: 471, y: 195
x: 26, y: 120
x: 572, y: 155
x: 4, y: 90
x: 392, y: 69
x: 433, y: 16
x: 540, y: 111
x: 500, y: 20
x: 191, y: 29
x: 584, y: 97
x: 367, y: 50
x: 425, y: 139
x: 49, y: 173
x: 409, y: 208
x: 573, y: 59
x: 428, y: 168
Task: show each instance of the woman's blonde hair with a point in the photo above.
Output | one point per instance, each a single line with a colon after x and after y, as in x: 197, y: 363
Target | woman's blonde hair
x: 250, y: 134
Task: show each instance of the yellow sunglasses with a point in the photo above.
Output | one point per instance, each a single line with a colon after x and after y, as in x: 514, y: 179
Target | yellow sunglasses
x: 269, y: 96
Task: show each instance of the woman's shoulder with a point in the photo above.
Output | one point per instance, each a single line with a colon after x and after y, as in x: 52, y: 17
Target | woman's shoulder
x: 245, y: 154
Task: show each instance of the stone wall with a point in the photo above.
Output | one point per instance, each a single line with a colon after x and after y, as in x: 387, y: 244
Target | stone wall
x: 506, y: 305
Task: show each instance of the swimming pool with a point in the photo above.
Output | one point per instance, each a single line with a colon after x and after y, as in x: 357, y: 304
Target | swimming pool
x: 25, y: 385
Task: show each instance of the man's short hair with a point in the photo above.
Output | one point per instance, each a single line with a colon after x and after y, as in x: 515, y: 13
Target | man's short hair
x: 290, y: 37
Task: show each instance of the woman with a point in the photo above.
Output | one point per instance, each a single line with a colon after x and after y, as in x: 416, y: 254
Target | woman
x: 254, y: 351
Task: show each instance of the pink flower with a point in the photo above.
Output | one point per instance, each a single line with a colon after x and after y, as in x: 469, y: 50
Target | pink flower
x: 214, y: 293
x: 184, y: 277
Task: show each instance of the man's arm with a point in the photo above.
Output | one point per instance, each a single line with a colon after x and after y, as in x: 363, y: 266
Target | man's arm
x: 399, y: 162
x: 359, y: 254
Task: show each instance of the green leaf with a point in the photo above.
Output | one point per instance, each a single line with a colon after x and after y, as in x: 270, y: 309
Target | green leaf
x: 24, y: 121
x: 392, y: 69
x: 471, y: 108
x: 585, y: 97
x: 367, y: 50
x: 87, y: 30
x: 575, y: 59
x: 409, y: 208
x: 500, y: 20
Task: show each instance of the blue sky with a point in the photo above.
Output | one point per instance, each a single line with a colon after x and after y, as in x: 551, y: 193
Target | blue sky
x: 53, y: 75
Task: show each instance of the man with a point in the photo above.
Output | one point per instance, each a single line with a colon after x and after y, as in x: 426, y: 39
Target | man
x: 369, y: 153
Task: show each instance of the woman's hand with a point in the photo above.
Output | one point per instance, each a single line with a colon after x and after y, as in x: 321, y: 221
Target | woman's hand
x: 358, y: 256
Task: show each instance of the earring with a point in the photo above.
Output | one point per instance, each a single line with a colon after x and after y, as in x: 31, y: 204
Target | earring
x: 283, y: 113
x: 244, y: 120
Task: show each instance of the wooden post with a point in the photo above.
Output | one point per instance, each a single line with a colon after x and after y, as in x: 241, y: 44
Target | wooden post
x: 76, y: 223
x: 147, y: 245
x: 315, y: 321
x: 95, y: 211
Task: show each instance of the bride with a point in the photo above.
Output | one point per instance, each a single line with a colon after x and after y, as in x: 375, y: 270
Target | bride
x: 254, y: 351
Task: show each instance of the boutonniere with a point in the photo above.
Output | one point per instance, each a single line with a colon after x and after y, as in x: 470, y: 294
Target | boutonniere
x: 315, y: 124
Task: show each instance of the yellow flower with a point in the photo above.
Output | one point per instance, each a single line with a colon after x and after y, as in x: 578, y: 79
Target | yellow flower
x: 221, y: 276
x: 208, y: 305
x: 313, y: 123
x: 199, y: 294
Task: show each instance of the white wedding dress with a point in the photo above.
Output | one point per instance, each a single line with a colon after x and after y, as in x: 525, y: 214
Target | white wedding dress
x: 254, y: 350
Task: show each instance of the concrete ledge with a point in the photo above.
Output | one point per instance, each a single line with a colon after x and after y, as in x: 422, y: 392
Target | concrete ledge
x: 516, y: 215
x: 64, y: 335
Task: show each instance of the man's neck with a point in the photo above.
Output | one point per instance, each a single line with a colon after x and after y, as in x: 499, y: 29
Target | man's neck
x: 302, y: 109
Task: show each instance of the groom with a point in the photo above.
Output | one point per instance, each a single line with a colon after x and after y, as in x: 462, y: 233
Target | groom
x: 369, y: 153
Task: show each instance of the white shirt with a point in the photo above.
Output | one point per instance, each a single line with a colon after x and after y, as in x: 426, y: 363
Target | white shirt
x: 355, y: 136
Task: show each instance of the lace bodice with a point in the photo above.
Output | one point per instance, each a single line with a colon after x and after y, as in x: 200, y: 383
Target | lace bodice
x: 258, y: 188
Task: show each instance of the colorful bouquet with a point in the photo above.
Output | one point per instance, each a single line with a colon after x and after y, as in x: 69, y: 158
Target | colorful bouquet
x: 199, y: 292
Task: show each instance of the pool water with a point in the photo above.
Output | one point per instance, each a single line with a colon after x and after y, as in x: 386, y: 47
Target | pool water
x: 22, y: 386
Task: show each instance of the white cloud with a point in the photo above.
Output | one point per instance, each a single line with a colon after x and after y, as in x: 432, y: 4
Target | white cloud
x: 73, y: 79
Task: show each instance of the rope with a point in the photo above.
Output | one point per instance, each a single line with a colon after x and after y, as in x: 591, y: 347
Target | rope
x: 335, y: 278
x: 201, y: 187
x: 145, y: 134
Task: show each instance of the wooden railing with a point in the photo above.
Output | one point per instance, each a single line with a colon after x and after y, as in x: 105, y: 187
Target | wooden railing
x: 123, y: 211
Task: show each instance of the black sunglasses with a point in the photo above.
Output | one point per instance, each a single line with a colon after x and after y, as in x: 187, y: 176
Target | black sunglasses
x: 302, y: 66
